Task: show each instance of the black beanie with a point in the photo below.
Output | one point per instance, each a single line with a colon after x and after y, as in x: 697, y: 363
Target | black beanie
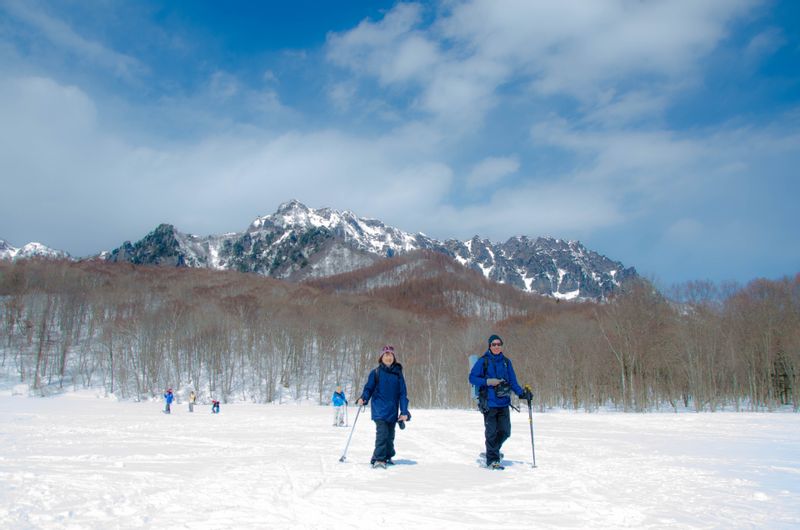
x: 495, y: 337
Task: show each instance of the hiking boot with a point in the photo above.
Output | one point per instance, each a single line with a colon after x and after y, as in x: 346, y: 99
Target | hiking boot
x: 496, y: 465
x: 390, y: 462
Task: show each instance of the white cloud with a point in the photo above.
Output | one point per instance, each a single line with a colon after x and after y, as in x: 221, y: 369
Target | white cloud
x: 391, y: 49
x: 342, y: 95
x: 64, y: 169
x: 764, y: 44
x: 572, y: 47
x: 490, y: 171
x: 270, y: 77
x: 560, y: 208
x: 223, y: 85
x: 652, y: 161
x: 223, y: 180
x: 629, y: 109
x: 60, y: 34
x: 685, y: 231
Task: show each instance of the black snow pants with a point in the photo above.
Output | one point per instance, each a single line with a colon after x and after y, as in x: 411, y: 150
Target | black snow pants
x: 498, y: 428
x: 384, y: 441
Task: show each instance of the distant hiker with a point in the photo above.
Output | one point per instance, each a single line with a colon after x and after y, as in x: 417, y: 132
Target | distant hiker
x: 168, y: 398
x: 214, y: 406
x: 339, y: 403
x: 494, y: 375
x: 387, y: 388
x: 192, y: 400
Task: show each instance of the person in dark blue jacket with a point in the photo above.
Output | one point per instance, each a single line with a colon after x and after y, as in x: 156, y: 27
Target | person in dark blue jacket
x: 494, y: 375
x: 386, y: 386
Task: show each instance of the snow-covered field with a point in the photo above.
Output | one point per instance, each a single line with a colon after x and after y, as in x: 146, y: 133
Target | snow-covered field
x: 82, y: 461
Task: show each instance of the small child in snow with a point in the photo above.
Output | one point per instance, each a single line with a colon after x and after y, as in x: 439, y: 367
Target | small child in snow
x: 168, y: 398
x: 339, y: 403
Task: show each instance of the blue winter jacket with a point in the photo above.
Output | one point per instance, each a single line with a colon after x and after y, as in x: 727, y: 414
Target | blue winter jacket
x: 169, y: 397
x: 389, y: 394
x: 496, y: 367
x: 339, y: 399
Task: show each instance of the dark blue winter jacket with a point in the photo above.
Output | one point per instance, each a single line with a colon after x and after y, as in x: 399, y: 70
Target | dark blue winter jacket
x: 499, y: 367
x: 389, y: 394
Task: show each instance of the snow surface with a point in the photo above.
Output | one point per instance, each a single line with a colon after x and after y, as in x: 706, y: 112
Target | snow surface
x: 528, y: 280
x: 85, y: 461
x: 570, y: 295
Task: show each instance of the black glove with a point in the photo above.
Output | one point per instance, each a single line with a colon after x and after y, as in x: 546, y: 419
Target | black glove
x: 401, y: 424
x: 526, y: 395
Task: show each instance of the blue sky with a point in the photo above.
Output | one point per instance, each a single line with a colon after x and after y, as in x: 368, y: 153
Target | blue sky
x: 662, y: 134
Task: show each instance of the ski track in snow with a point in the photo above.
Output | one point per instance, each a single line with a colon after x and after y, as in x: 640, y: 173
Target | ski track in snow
x: 80, y: 461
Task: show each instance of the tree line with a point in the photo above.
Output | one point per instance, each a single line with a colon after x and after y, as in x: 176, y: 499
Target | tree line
x: 136, y: 330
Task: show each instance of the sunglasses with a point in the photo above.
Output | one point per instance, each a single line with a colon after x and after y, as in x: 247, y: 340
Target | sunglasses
x: 495, y: 344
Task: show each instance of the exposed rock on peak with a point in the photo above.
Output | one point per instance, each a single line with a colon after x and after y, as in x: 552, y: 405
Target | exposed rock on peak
x: 297, y: 242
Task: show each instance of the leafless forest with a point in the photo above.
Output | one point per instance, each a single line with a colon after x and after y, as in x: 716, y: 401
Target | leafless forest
x: 137, y: 330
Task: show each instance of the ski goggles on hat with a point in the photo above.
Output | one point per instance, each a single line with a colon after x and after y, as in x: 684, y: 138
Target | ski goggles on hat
x: 388, y: 349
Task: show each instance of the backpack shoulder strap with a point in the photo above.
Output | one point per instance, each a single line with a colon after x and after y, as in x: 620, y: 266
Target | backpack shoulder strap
x: 486, y: 365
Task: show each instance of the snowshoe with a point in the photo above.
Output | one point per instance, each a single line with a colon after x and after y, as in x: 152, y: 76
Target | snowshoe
x: 496, y: 466
x: 379, y: 465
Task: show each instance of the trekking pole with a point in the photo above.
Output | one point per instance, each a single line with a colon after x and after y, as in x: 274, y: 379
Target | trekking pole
x: 342, y: 459
x: 530, y: 421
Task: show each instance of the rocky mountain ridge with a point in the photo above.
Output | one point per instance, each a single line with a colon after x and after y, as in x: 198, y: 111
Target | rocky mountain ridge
x: 300, y: 243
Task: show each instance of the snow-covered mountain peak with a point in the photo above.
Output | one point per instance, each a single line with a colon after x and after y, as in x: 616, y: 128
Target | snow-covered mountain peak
x: 294, y: 214
x: 6, y: 250
x: 366, y: 234
x: 30, y: 250
x: 299, y: 242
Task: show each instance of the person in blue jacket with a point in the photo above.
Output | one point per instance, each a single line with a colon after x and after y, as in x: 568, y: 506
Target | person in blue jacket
x: 168, y: 398
x: 494, y: 376
x: 386, y: 386
x: 339, y: 402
